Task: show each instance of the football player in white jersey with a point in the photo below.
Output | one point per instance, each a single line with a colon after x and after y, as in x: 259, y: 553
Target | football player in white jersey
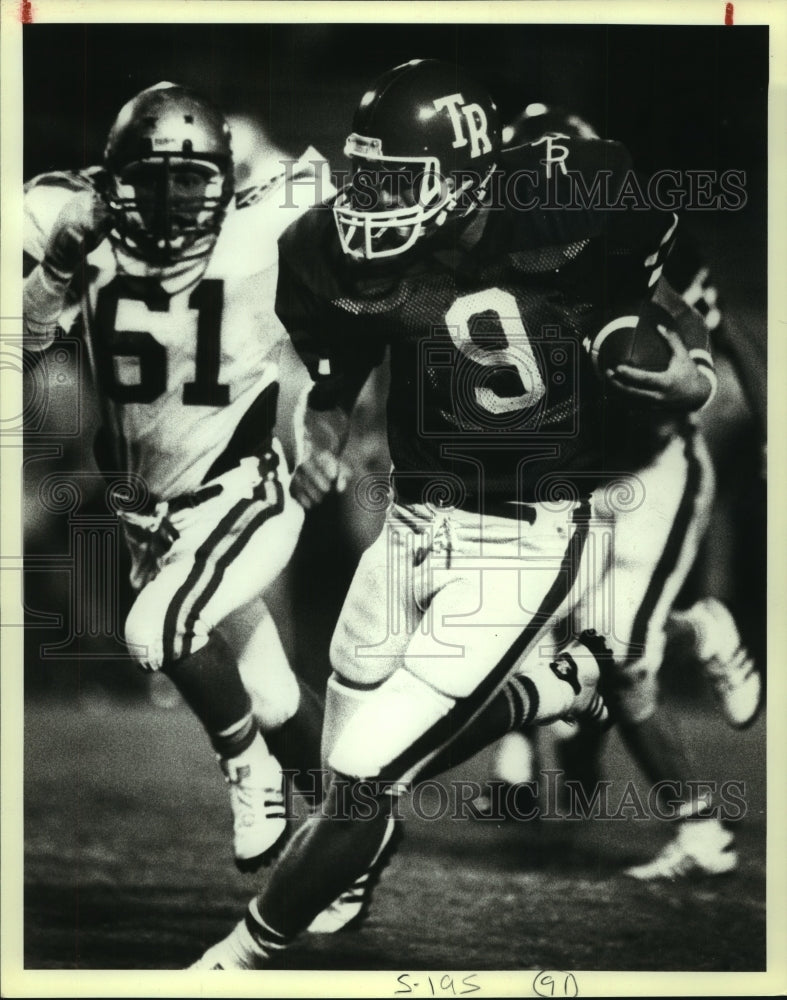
x: 173, y: 274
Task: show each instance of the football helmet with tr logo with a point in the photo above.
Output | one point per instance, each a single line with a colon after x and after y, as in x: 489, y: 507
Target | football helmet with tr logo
x: 425, y: 141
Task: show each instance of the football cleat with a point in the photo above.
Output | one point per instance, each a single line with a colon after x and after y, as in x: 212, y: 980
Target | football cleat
x: 238, y: 950
x: 701, y: 847
x: 725, y: 661
x: 344, y: 913
x: 349, y: 911
x: 257, y: 799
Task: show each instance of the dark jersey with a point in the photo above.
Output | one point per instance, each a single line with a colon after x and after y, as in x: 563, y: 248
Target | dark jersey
x: 492, y: 397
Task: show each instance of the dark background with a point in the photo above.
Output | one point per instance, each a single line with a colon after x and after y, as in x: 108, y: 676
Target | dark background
x: 678, y: 96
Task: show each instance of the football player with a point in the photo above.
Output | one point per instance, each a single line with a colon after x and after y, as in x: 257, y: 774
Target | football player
x: 644, y: 570
x: 659, y: 512
x: 495, y: 428
x: 173, y: 276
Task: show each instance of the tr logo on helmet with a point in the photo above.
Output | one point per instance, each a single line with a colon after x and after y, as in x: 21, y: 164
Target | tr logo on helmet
x: 473, y: 117
x: 423, y: 149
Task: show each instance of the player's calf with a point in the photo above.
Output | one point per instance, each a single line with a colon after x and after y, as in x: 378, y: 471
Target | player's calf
x: 210, y: 684
x: 349, y: 910
x: 724, y: 659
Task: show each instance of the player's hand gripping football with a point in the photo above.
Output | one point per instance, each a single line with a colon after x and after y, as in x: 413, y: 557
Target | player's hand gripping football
x: 681, y: 387
x: 320, y: 469
x: 83, y: 222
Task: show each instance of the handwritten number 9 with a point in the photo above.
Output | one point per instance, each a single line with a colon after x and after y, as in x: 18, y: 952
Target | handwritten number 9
x: 555, y: 984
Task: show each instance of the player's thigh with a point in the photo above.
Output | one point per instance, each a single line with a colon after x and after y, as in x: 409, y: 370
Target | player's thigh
x: 486, y: 612
x: 380, y: 611
x: 258, y: 553
x: 146, y: 629
x: 476, y: 635
x: 481, y: 615
x: 475, y: 629
x: 476, y: 619
x: 227, y: 552
x: 654, y: 540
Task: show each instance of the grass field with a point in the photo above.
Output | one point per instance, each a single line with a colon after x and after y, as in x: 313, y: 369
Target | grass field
x: 127, y: 865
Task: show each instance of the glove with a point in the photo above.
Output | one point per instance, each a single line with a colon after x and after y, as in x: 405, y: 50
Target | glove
x: 83, y: 222
x: 320, y: 468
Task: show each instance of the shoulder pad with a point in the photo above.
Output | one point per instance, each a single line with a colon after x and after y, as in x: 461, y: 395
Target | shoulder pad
x: 310, y: 248
x: 308, y: 178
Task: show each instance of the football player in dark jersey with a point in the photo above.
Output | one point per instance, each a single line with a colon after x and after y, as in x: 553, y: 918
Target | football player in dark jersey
x: 647, y: 569
x: 461, y: 259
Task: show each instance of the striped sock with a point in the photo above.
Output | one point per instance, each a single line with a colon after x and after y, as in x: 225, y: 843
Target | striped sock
x: 524, y: 700
x: 233, y: 741
x: 268, y: 942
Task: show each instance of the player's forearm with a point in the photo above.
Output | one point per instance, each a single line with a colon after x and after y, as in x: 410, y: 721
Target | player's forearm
x: 337, y: 391
x: 43, y: 300
x: 700, y: 387
x: 321, y: 436
x: 79, y: 227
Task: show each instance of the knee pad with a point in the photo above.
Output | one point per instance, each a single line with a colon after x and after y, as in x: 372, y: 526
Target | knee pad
x: 144, y: 636
x: 342, y: 701
x: 366, y: 730
x: 366, y: 670
x: 151, y: 641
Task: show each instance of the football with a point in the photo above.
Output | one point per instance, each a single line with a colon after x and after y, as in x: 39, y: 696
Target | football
x: 622, y: 343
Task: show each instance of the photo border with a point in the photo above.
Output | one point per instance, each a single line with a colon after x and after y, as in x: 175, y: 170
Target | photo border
x: 17, y: 982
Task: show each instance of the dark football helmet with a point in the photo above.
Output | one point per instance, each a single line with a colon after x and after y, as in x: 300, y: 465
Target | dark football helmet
x: 541, y: 119
x: 424, y: 144
x: 169, y: 164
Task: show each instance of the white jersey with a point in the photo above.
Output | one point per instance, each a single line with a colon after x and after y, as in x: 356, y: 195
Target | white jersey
x: 181, y: 355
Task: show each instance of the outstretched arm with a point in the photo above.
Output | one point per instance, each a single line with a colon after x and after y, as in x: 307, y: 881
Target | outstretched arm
x: 339, y: 362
